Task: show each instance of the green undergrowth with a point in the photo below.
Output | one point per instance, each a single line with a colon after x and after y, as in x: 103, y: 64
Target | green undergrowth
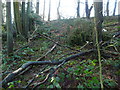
x: 80, y: 72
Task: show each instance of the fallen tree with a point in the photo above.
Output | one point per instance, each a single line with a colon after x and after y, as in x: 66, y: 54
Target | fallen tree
x: 10, y: 77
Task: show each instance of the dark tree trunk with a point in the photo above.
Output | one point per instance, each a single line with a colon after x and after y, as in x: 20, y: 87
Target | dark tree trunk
x: 1, y: 12
x: 49, y: 10
x: 1, y: 35
x: 37, y: 7
x: 28, y: 17
x: 86, y: 8
x: 25, y: 33
x: 119, y: 15
x: 58, y: 13
x: 107, y: 8
x: 9, y: 29
x: 115, y: 8
x: 44, y: 11
x: 78, y: 9
x: 17, y: 17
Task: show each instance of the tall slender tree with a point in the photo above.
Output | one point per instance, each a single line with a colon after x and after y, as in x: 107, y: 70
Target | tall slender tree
x: 9, y: 29
x: 98, y: 6
x: 28, y: 17
x: 107, y: 8
x: 119, y: 15
x: 37, y: 7
x: 1, y: 22
x: 78, y: 9
x: 17, y: 16
x: 25, y: 33
x: 58, y: 12
x: 0, y: 37
x: 44, y: 11
x: 2, y: 6
x: 87, y: 10
x: 115, y: 8
x: 49, y: 10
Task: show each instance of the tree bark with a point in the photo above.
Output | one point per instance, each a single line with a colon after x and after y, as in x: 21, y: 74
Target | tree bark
x: 78, y: 9
x: 9, y: 30
x: 27, y: 18
x: 119, y: 15
x: 115, y: 8
x: 98, y: 7
x: 107, y: 8
x: 86, y: 8
x: 58, y: 13
x: 17, y: 17
x: 25, y: 33
x: 1, y: 36
x: 49, y: 10
x: 37, y: 7
x: 44, y: 11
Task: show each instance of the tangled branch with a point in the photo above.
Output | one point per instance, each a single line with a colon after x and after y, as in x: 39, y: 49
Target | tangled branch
x: 10, y: 77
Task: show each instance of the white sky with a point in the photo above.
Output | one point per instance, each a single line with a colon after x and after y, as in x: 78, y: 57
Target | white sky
x: 68, y: 8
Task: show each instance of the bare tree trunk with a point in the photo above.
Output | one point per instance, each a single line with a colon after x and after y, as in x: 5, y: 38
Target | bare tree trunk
x: 17, y: 17
x: 37, y: 7
x: 49, y: 10
x: 9, y: 29
x: 78, y: 9
x: 31, y: 5
x: 27, y: 18
x: 98, y: 6
x: 119, y: 16
x: 25, y: 32
x: 44, y: 11
x: 58, y: 13
x: 115, y: 8
x: 1, y: 37
x: 2, y: 12
x: 107, y: 8
x: 86, y: 8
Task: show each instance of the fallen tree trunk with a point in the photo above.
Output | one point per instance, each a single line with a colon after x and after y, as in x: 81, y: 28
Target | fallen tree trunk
x: 10, y: 77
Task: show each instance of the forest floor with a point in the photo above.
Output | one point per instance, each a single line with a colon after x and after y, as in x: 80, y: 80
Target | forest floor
x: 52, y: 44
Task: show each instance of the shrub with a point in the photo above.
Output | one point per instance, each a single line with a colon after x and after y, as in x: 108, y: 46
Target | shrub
x: 81, y: 33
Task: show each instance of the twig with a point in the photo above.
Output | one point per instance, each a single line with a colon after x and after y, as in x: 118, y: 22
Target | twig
x: 33, y: 33
x: 34, y: 78
x: 52, y: 70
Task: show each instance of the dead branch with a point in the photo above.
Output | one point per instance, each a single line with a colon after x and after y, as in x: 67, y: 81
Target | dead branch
x: 115, y: 24
x: 47, y: 37
x: 12, y: 75
x: 52, y: 71
x: 49, y: 51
